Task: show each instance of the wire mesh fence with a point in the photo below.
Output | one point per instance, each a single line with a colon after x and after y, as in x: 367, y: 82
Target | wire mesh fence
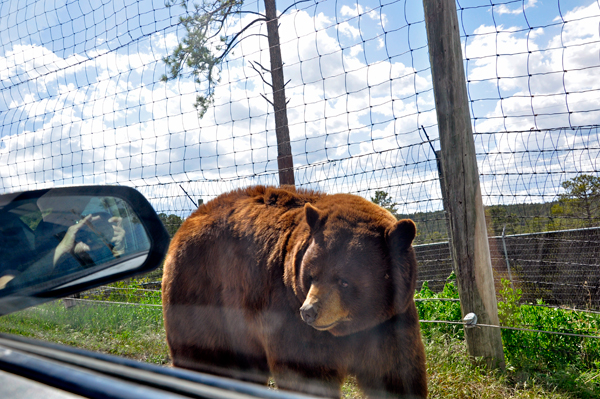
x: 82, y: 101
x: 560, y: 268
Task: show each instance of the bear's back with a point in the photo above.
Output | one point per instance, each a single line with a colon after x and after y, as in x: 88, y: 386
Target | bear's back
x: 231, y: 249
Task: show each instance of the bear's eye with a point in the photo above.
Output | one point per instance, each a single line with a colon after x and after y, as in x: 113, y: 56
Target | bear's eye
x: 309, y: 280
x: 343, y: 283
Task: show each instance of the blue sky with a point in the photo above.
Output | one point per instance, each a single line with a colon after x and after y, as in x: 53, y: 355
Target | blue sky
x: 81, y: 101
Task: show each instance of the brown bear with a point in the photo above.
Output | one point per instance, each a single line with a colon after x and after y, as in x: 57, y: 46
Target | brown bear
x: 301, y: 286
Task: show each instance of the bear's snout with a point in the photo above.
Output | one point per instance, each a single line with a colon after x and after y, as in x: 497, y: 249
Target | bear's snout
x: 309, y: 313
x: 323, y: 309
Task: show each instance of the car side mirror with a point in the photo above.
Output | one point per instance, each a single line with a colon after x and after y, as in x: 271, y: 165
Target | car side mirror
x: 60, y: 241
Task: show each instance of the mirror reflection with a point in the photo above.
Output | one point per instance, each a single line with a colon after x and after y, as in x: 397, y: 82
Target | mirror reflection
x: 48, y: 236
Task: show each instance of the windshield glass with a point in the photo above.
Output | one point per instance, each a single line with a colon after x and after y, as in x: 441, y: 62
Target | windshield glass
x: 478, y: 120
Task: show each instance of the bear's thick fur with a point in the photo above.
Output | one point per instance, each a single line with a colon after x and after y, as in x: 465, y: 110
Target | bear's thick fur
x: 297, y: 285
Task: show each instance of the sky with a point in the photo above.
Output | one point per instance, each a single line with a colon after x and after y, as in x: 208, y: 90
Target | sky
x: 81, y: 101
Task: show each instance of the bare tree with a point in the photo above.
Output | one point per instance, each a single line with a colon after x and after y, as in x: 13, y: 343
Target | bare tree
x: 206, y: 45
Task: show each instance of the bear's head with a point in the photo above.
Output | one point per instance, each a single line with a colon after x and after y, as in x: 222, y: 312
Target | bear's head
x: 357, y: 268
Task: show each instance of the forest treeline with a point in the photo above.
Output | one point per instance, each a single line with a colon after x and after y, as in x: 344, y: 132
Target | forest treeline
x: 577, y: 207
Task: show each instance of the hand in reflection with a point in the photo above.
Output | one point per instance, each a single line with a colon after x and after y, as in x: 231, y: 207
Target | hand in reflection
x: 69, y: 245
x: 94, y: 234
x: 118, y: 239
x: 5, y: 280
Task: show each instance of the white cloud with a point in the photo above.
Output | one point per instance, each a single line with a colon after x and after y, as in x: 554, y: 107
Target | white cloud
x: 348, y: 11
x: 504, y: 9
x: 349, y: 30
x: 357, y: 11
x: 544, y: 85
x: 108, y: 121
x: 30, y: 62
x: 548, y: 85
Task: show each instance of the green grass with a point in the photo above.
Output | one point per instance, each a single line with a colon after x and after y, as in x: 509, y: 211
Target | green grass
x: 452, y: 375
x: 538, y: 365
x: 132, y: 331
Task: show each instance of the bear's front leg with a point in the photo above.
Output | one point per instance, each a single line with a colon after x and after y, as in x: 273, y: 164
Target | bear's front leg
x: 307, y: 378
x: 391, y: 362
x: 402, y: 383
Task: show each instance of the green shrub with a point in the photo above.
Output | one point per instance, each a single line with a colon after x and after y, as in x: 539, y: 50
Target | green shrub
x: 440, y: 310
x: 544, y: 352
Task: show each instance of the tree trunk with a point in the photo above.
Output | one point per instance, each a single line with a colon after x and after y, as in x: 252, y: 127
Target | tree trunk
x: 285, y: 161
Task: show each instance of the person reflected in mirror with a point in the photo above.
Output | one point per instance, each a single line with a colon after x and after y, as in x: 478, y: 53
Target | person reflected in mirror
x: 94, y: 239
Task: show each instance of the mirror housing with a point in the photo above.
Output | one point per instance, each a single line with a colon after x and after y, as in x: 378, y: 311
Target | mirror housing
x: 61, y: 241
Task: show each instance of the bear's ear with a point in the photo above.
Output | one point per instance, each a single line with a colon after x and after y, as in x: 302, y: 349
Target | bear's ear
x: 403, y: 263
x: 314, y: 217
x: 402, y: 234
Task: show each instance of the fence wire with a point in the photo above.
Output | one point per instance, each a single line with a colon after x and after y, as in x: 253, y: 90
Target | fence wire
x: 82, y: 102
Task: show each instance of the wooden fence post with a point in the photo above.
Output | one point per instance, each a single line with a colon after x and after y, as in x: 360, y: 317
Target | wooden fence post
x: 470, y: 247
